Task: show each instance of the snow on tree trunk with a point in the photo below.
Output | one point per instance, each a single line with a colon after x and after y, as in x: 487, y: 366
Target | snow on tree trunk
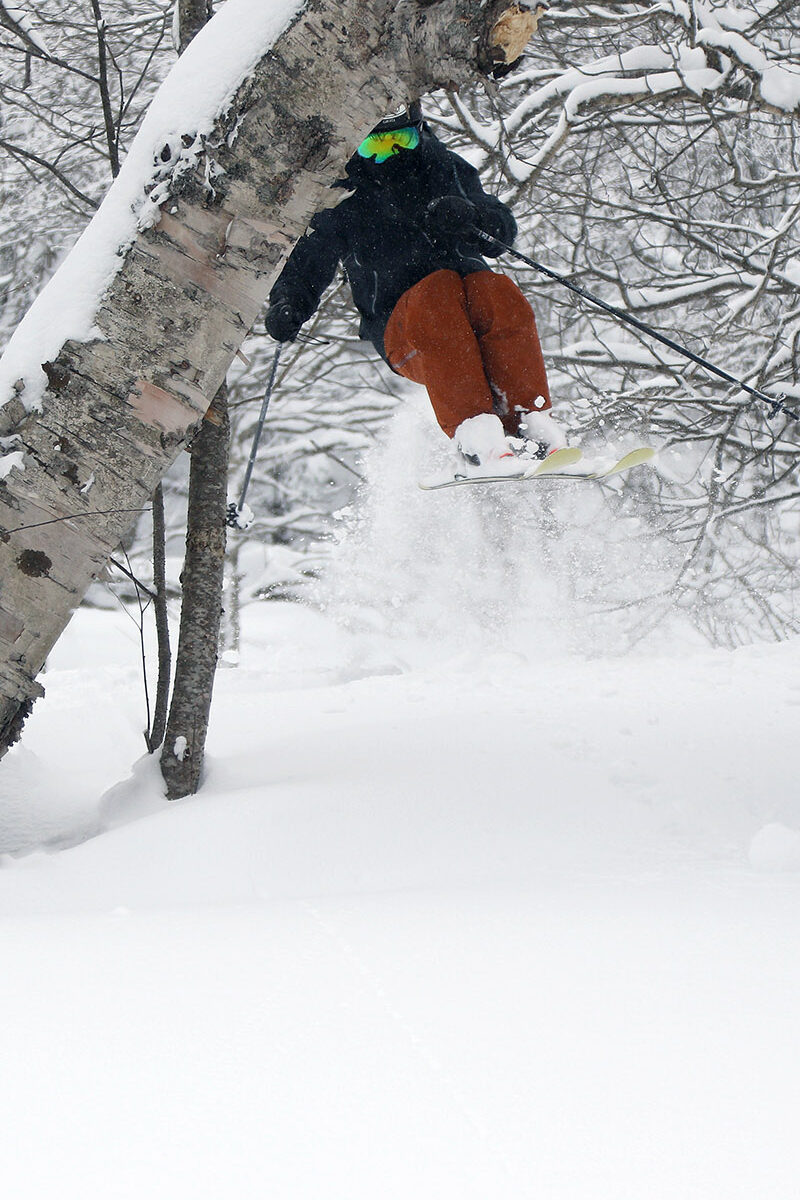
x: 119, y: 406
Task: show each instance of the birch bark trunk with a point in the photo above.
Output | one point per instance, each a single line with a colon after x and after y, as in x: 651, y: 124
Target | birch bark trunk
x: 119, y: 408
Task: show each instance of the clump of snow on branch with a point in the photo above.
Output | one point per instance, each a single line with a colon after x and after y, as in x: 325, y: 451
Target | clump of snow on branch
x: 9, y: 461
x: 19, y: 19
x: 779, y: 86
x: 197, y: 92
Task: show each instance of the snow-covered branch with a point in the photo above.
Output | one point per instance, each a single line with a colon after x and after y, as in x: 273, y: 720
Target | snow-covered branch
x: 19, y: 19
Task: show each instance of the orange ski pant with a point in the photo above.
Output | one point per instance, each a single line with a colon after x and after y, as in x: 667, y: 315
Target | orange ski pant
x: 473, y: 343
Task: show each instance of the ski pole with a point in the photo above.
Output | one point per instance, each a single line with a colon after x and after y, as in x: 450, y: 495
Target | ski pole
x: 234, y: 514
x: 776, y: 403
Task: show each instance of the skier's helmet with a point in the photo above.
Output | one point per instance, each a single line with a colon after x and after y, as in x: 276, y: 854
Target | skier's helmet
x: 397, y: 132
x: 406, y: 116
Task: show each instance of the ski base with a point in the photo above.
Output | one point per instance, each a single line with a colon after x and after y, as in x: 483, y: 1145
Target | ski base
x: 561, y: 464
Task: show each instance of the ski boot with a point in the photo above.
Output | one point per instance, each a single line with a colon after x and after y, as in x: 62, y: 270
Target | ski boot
x: 539, y: 435
x: 483, y: 448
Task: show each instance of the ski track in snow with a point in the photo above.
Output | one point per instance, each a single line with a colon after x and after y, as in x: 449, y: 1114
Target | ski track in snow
x: 465, y: 908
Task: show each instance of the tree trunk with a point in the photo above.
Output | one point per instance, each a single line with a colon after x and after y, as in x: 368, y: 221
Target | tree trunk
x: 155, y: 735
x: 202, y: 578
x: 119, y: 408
x: 204, y: 564
x: 192, y: 16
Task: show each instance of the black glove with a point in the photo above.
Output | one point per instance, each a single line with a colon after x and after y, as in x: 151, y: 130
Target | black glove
x: 282, y: 322
x: 494, y: 226
x: 451, y: 216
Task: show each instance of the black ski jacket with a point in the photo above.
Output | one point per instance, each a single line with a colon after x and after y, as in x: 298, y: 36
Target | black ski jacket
x: 378, y: 233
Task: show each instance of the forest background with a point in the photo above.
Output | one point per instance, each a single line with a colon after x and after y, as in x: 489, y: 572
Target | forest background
x: 649, y: 151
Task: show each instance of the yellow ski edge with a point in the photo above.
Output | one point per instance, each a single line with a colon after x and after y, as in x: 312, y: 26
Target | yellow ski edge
x: 568, y: 456
x: 632, y: 459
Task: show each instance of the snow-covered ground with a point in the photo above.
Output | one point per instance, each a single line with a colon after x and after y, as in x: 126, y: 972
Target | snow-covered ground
x: 471, y: 904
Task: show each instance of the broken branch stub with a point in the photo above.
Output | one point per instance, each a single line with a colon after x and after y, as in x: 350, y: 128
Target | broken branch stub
x: 508, y: 37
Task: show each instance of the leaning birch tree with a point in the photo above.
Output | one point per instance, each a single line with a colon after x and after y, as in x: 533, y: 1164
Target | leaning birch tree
x: 118, y: 360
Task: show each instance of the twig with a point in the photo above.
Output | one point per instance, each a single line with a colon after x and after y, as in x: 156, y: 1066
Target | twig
x: 99, y: 512
x: 112, y: 137
x: 141, y: 586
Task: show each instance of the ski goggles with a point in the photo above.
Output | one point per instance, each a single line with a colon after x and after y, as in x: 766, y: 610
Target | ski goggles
x: 381, y: 146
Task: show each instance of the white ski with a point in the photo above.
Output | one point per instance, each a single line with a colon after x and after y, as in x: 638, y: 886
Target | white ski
x: 561, y: 464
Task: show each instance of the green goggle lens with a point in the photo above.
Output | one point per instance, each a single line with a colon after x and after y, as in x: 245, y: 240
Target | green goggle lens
x: 381, y: 146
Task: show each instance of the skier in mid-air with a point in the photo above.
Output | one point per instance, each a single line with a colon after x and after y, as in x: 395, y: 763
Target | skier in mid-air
x: 406, y: 238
